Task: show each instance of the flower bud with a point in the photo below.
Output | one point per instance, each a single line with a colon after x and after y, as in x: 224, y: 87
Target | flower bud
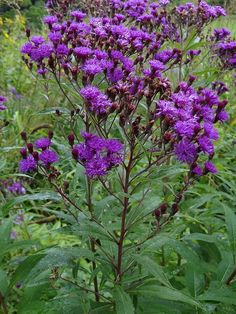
x: 35, y: 155
x: 27, y: 31
x: 23, y: 135
x: 75, y: 153
x: 71, y: 139
x: 23, y: 152
x: 163, y: 208
x: 175, y: 208
x: 30, y: 148
x: 50, y: 134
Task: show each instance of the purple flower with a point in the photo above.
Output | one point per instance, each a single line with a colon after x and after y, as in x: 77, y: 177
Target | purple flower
x: 156, y: 65
x: 62, y: 50
x: 206, y: 145
x: 193, y: 53
x: 27, y: 48
x: 97, y: 154
x: 83, y: 152
x: 221, y: 33
x: 42, y: 71
x: 39, y: 53
x: 28, y: 164
x: 209, y: 167
x: 55, y: 37
x: 78, y: 15
x: 48, y: 157
x: 198, y: 171
x: 114, y: 146
x: 185, y: 151
x: 2, y: 100
x: 82, y: 52
x: 16, y: 188
x: 115, y: 75
x: 92, y: 67
x: 164, y: 56
x: 208, y: 97
x: 37, y: 40
x: 13, y: 235
x: 96, y: 167
x: 210, y: 131
x: 2, y: 107
x: 97, y: 101
x: 19, y: 219
x: 186, y: 128
x: 50, y: 19
x: 43, y: 143
x: 222, y: 116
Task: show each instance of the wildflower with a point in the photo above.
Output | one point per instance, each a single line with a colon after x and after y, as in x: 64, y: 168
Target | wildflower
x: 16, y: 188
x: 28, y: 164
x: 2, y: 101
x: 48, y: 157
x: 43, y: 143
x: 97, y: 101
x: 185, y: 151
x: 209, y: 167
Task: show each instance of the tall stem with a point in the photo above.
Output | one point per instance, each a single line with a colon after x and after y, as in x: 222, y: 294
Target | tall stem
x: 123, y: 218
x: 92, y: 241
x: 90, y: 208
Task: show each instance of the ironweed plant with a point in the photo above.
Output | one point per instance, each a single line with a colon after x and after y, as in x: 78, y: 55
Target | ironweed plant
x: 136, y: 131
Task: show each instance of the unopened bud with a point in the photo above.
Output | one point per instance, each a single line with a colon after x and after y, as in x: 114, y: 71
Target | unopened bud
x: 71, y: 139
x: 30, y: 148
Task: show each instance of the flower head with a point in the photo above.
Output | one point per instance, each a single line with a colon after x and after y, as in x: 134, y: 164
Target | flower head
x: 48, y: 157
x: 28, y: 164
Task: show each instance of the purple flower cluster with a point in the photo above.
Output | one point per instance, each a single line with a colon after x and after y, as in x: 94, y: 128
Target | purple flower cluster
x: 190, y: 14
x: 2, y: 101
x: 31, y: 158
x: 95, y: 99
x: 189, y: 117
x: 37, y: 49
x: 127, y: 53
x: 98, y: 155
x: 16, y: 188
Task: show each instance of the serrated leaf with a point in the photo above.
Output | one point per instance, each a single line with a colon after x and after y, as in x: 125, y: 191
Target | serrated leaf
x: 153, y: 268
x: 166, y: 293
x: 230, y: 220
x: 219, y: 293
x: 43, y: 196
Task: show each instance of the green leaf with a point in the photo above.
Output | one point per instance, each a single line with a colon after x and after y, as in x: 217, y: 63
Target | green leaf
x: 124, y: 303
x: 24, y: 269
x: 3, y: 282
x: 153, y: 268
x: 53, y: 196
x: 166, y: 293
x: 195, y: 281
x: 5, y: 231
x: 219, y: 293
x: 201, y: 237
x: 230, y: 220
